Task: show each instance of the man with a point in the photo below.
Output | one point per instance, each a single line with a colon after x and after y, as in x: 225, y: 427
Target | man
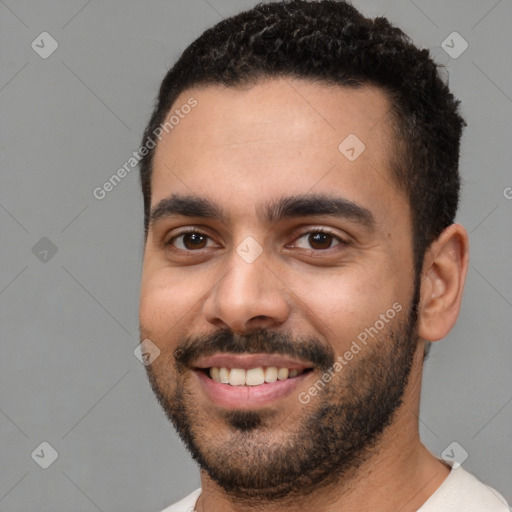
x: 300, y: 189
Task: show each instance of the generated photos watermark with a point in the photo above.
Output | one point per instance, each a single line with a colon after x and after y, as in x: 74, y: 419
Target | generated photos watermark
x: 172, y: 121
x: 356, y: 346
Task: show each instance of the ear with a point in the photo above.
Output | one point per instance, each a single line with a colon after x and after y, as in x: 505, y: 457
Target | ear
x: 445, y: 267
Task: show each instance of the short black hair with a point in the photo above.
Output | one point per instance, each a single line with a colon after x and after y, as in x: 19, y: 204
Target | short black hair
x: 331, y: 42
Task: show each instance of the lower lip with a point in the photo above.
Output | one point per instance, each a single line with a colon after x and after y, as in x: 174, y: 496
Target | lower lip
x: 245, y: 397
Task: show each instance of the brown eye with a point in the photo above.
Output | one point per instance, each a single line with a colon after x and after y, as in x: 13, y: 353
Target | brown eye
x: 189, y: 241
x: 318, y: 241
x: 194, y: 241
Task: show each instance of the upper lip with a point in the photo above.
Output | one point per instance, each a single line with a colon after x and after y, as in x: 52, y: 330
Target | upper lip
x: 246, y: 361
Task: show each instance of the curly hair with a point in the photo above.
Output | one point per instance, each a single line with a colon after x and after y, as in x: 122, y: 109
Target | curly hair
x: 331, y: 42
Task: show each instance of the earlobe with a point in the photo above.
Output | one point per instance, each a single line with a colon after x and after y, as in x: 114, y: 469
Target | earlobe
x: 444, y: 274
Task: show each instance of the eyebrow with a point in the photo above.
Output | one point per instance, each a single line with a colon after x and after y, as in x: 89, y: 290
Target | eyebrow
x: 270, y: 212
x: 187, y: 206
x: 316, y: 204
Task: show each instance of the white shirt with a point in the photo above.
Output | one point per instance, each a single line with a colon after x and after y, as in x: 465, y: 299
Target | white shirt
x: 460, y: 492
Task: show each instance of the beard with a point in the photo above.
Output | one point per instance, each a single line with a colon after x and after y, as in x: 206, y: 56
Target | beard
x: 252, y: 455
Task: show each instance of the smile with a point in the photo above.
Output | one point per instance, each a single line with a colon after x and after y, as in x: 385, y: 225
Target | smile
x: 252, y: 376
x: 243, y: 381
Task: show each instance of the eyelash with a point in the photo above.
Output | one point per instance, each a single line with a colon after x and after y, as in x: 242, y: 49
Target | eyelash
x: 340, y: 240
x: 182, y: 233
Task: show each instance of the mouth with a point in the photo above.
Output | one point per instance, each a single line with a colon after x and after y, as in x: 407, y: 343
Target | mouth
x: 244, y: 381
x: 251, y: 376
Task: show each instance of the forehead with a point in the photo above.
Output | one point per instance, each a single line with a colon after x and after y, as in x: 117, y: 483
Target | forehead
x: 238, y: 145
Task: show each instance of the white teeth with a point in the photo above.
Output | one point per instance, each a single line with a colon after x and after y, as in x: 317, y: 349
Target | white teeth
x: 251, y: 376
x: 214, y: 374
x: 255, y: 376
x: 271, y: 374
x: 237, y: 377
x: 282, y: 373
x: 224, y: 375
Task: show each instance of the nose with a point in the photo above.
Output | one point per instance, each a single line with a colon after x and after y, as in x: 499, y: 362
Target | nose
x: 248, y: 296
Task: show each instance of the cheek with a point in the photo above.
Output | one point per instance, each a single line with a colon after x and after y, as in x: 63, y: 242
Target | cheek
x: 165, y: 299
x: 342, y: 303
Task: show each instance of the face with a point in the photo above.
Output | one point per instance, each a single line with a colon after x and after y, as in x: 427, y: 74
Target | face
x: 278, y: 282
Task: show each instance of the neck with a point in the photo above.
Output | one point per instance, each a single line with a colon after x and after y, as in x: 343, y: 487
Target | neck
x: 401, y: 474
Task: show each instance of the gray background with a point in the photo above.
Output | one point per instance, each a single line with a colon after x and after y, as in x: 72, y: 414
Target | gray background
x: 68, y: 375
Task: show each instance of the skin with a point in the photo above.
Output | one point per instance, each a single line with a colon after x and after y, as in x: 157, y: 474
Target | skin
x: 241, y: 148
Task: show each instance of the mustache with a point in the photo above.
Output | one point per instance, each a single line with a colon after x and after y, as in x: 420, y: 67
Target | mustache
x: 306, y: 348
